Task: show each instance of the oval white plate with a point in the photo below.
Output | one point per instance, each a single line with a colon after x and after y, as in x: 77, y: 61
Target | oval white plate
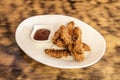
x: 36, y: 50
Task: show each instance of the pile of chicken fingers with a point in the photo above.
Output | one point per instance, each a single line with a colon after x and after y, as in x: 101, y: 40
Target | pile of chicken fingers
x: 70, y: 38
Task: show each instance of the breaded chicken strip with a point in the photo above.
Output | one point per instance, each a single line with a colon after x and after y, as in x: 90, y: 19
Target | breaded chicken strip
x: 70, y: 27
x: 57, y: 53
x: 76, y: 46
x: 77, y: 41
x: 57, y: 34
x: 65, y: 36
x: 57, y: 37
x: 60, y: 43
x: 71, y: 39
x: 78, y: 57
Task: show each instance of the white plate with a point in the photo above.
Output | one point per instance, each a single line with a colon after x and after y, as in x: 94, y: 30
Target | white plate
x: 36, y: 50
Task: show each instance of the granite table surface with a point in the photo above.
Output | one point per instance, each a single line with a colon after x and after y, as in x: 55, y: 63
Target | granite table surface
x: 102, y: 15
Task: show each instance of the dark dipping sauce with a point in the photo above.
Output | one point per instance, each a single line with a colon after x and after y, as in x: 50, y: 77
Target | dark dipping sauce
x: 42, y: 34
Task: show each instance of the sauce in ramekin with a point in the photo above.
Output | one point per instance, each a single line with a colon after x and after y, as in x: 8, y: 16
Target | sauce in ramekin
x: 42, y: 34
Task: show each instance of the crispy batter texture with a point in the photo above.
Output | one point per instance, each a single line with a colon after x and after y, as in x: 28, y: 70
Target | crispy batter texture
x: 57, y: 37
x: 65, y: 36
x: 77, y: 41
x: 70, y: 27
x: 57, y: 53
x: 75, y: 45
x: 60, y: 43
x: 57, y: 34
x: 78, y: 57
x: 71, y: 39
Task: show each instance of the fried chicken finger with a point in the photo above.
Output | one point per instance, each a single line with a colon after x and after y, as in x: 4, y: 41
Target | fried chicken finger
x: 70, y: 27
x: 57, y: 37
x: 77, y: 41
x: 57, y: 53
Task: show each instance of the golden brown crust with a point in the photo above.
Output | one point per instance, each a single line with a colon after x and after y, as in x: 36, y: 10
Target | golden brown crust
x: 57, y: 37
x: 60, y: 43
x: 78, y: 57
x: 77, y: 41
x: 71, y: 39
x: 70, y: 27
x: 57, y: 34
x: 65, y: 36
x: 76, y: 46
x: 57, y: 53
x: 63, y: 32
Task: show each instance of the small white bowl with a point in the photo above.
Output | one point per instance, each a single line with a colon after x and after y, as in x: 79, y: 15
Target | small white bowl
x: 38, y: 27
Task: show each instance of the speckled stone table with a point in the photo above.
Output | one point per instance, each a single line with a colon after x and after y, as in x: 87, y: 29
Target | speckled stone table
x: 103, y: 15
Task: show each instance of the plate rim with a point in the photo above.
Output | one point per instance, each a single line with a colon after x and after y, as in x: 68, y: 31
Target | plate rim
x: 103, y: 51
